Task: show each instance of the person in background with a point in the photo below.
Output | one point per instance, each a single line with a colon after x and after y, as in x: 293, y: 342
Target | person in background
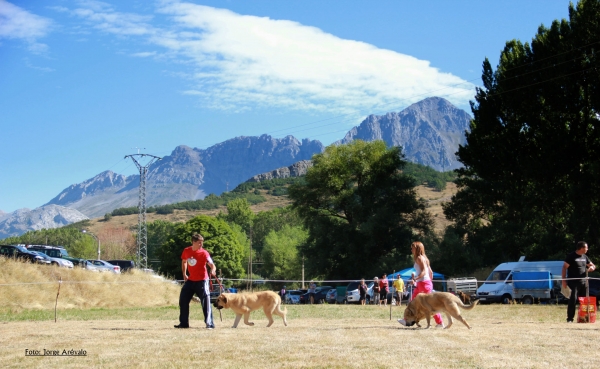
x: 384, y: 288
x: 362, y: 291
x: 312, y: 290
x: 193, y: 260
x: 575, y: 267
x: 423, y: 277
x: 282, y: 294
x: 376, y: 291
x: 399, y: 287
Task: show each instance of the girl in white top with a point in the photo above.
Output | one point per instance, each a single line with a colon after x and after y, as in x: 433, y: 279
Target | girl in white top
x: 424, y: 276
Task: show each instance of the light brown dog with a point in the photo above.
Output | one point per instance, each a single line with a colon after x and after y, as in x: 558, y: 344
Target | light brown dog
x: 465, y: 298
x: 423, y: 306
x: 245, y: 303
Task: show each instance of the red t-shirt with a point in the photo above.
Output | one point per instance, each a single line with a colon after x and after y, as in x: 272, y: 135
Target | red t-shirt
x: 196, y: 263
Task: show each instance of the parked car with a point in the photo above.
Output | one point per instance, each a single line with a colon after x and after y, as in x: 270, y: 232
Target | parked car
x: 352, y: 295
x: 45, y: 258
x: 292, y: 296
x: 331, y: 296
x: 104, y: 266
x: 54, y: 261
x: 124, y: 264
x: 56, y: 252
x: 20, y: 253
x: 319, y: 298
x: 214, y: 294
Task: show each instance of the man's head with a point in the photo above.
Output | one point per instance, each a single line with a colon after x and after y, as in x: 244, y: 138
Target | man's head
x: 197, y: 239
x: 582, y: 247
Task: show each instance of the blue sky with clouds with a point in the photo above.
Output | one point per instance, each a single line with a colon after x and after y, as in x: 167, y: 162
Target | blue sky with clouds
x: 84, y: 83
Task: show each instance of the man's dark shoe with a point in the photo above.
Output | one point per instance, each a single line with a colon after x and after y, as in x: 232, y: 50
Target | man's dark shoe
x: 181, y: 326
x: 569, y: 320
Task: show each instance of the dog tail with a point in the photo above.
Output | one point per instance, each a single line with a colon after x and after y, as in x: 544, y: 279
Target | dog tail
x: 469, y: 307
x: 284, y: 310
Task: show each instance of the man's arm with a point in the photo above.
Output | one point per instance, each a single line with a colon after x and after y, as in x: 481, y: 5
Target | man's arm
x: 184, y: 269
x: 564, y: 274
x: 213, y: 269
x: 591, y: 266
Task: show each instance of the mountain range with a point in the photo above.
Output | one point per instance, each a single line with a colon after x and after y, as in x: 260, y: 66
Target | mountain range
x: 47, y: 216
x: 429, y: 132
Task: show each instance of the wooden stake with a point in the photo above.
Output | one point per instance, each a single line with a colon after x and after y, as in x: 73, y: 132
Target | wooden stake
x: 57, y: 293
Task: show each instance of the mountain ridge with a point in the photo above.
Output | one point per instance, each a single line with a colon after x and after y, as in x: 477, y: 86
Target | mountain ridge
x: 429, y: 132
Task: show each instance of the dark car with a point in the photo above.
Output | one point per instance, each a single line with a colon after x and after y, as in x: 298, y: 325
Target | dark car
x: 124, y: 264
x: 320, y: 295
x: 20, y: 253
x: 214, y: 294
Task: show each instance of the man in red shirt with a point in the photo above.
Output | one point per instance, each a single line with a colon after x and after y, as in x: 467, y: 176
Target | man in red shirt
x: 193, y: 260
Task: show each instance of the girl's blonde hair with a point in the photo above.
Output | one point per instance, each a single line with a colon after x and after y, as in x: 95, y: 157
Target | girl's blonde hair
x: 418, y: 249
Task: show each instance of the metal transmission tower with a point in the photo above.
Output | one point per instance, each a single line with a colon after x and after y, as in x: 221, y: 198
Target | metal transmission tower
x: 142, y: 236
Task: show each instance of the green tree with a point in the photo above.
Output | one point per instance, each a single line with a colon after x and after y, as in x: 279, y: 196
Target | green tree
x: 280, y: 253
x: 159, y: 233
x: 219, y: 240
x: 359, y: 208
x: 531, y: 178
x: 239, y: 212
x: 272, y: 220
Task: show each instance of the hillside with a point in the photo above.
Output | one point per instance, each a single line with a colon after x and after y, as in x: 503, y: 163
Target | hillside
x: 433, y: 197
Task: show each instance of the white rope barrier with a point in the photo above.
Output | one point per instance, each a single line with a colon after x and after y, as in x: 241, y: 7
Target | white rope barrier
x: 272, y: 281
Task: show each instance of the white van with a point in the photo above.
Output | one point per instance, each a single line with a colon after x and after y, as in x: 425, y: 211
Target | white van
x: 498, y: 287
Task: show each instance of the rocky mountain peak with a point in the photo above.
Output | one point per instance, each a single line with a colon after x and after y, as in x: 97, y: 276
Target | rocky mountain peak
x: 48, y: 216
x: 428, y: 131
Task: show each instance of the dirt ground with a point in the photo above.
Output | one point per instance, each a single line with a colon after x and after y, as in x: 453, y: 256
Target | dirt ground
x: 333, y: 336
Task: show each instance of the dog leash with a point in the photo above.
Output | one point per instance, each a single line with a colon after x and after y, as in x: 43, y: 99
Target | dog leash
x: 221, y: 289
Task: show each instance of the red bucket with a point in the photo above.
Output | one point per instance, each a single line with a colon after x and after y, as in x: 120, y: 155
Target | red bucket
x: 587, y: 310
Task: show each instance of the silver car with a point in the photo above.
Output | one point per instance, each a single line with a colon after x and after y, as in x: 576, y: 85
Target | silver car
x: 293, y: 297
x: 54, y: 261
x: 104, y: 266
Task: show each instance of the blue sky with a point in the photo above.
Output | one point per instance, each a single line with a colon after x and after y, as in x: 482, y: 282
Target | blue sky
x: 84, y: 83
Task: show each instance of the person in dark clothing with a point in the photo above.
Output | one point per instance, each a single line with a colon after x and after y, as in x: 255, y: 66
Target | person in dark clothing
x: 575, y: 268
x: 282, y: 294
x: 193, y: 260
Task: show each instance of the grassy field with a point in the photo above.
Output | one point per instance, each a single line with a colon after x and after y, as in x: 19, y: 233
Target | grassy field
x: 126, y: 321
x: 318, y: 336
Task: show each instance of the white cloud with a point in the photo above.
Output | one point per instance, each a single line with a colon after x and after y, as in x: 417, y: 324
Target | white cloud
x: 145, y: 54
x: 243, y: 61
x: 17, y: 23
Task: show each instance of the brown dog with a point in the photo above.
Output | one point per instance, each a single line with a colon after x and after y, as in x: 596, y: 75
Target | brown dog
x: 245, y: 303
x: 423, y: 306
x: 466, y: 299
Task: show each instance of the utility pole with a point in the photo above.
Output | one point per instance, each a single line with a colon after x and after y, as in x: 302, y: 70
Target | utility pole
x: 142, y: 236
x: 302, y: 271
x: 251, y: 284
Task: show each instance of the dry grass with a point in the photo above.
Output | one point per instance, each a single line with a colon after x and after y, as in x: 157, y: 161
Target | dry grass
x: 130, y: 325
x: 435, y: 199
x: 28, y: 286
x: 319, y: 336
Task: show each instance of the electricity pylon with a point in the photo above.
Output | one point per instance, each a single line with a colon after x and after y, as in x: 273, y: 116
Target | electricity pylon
x: 142, y: 236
